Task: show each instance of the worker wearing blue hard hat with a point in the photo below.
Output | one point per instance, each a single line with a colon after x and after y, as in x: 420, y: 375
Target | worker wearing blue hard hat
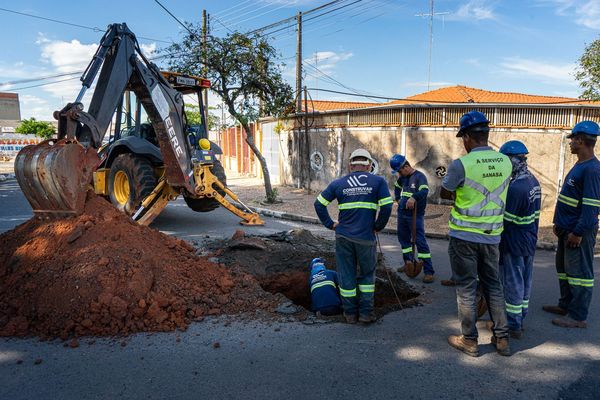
x: 519, y: 237
x: 576, y: 226
x: 478, y: 184
x: 323, y: 283
x: 410, y: 192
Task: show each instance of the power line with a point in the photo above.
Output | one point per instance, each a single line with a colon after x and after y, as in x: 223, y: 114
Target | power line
x: 338, y: 82
x: 42, y: 78
x: 225, y: 12
x: 95, y: 29
x: 176, y: 19
x: 260, y: 15
x: 44, y: 84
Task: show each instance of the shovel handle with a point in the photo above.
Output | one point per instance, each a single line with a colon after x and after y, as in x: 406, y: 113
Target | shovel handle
x: 414, y: 232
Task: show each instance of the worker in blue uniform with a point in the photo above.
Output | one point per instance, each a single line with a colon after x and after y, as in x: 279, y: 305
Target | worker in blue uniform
x: 519, y: 237
x: 360, y: 195
x: 410, y: 191
x: 324, y: 295
x: 576, y: 226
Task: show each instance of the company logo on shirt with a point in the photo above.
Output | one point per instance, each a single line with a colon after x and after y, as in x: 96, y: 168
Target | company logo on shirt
x: 319, y: 276
x: 413, y: 186
x: 570, y: 182
x: 354, y: 181
x: 357, y: 187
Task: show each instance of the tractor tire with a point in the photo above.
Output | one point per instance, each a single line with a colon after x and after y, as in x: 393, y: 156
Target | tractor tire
x: 208, y: 204
x: 130, y: 180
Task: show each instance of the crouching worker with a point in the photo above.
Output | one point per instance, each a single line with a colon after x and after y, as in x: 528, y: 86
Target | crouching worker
x: 324, y: 295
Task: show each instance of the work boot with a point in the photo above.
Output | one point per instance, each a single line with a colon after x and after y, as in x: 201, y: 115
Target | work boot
x: 367, y: 319
x: 350, y: 318
x: 467, y: 346
x: 402, y: 269
x: 428, y: 278
x: 568, y: 322
x: 555, y: 310
x: 448, y: 282
x: 515, y: 334
x: 502, y: 346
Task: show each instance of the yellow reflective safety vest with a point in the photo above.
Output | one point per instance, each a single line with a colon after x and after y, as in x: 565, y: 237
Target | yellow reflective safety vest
x: 480, y: 202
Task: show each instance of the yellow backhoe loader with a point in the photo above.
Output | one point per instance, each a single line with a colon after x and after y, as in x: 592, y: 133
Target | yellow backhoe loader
x: 143, y: 165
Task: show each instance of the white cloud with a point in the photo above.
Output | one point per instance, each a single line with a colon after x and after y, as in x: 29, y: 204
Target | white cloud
x: 33, y: 106
x: 326, y: 61
x: 148, y: 49
x: 584, y: 12
x: 474, y: 10
x: 561, y: 73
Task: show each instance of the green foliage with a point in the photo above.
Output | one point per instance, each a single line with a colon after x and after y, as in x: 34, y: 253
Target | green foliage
x: 42, y: 129
x: 243, y: 69
x: 272, y: 196
x: 588, y: 72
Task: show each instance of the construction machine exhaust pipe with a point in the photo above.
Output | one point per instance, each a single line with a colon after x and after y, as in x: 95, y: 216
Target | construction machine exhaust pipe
x: 54, y: 176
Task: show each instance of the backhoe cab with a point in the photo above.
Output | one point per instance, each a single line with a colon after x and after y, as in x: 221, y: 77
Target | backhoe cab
x: 143, y: 165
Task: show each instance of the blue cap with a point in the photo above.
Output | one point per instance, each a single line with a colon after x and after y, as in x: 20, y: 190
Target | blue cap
x: 316, y: 261
x: 470, y: 120
x: 513, y: 148
x: 585, y: 127
x: 397, y: 161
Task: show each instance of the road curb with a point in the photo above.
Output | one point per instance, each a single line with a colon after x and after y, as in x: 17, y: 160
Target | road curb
x: 314, y: 220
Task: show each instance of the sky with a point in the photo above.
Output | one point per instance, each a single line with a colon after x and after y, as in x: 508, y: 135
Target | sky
x: 373, y: 47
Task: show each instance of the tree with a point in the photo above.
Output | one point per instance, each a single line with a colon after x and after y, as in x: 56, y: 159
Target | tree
x: 246, y: 74
x: 192, y: 114
x: 43, y: 129
x: 588, y: 71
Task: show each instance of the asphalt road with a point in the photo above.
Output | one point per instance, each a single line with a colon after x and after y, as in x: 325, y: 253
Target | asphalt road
x: 405, y: 355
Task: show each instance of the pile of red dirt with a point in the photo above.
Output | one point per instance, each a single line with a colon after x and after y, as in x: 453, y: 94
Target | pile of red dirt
x: 102, y: 274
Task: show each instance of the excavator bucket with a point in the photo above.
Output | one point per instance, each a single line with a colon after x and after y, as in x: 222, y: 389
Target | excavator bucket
x: 54, y: 176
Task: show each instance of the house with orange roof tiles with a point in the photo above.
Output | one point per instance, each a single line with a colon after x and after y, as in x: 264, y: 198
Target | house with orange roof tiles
x: 310, y: 149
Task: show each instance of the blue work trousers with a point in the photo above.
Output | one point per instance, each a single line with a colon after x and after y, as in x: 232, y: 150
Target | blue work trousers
x: 469, y: 261
x: 516, y: 274
x: 404, y: 237
x: 575, y: 268
x: 356, y: 273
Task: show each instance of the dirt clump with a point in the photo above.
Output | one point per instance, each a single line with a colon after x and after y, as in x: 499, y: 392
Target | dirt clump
x: 100, y: 273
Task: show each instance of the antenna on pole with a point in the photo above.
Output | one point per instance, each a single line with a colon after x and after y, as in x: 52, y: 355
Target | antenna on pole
x: 430, y: 15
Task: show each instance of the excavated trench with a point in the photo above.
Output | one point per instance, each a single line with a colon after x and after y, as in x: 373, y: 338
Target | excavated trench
x: 280, y: 264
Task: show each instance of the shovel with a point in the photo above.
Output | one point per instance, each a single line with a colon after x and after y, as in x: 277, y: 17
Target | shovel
x: 414, y: 268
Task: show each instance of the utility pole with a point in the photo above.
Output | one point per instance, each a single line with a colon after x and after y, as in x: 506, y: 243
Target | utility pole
x: 431, y: 14
x: 299, y: 64
x: 204, y: 69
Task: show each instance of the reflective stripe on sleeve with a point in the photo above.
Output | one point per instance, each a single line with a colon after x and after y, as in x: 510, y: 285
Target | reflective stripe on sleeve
x: 398, y: 186
x: 348, y: 293
x: 423, y: 187
x: 568, y: 200
x: 385, y: 201
x: 366, y: 288
x: 406, y: 194
x: 590, y: 202
x: 323, y: 200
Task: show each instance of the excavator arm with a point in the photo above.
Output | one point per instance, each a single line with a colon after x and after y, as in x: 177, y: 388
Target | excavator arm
x: 55, y: 175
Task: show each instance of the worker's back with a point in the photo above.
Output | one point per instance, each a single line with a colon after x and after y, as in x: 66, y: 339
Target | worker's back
x: 324, y: 290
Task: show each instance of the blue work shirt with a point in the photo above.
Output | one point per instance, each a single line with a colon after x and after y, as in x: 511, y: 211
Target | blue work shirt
x: 453, y: 180
x: 324, y: 290
x: 414, y: 186
x: 579, y: 199
x: 359, y: 196
x: 521, y: 216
